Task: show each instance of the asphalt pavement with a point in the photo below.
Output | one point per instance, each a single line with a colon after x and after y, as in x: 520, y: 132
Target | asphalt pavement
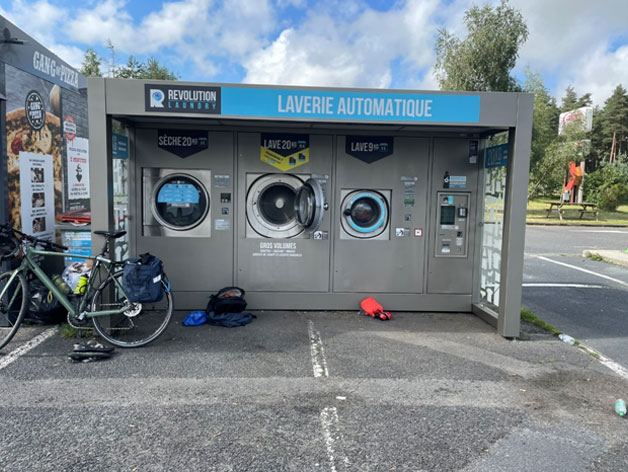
x: 585, y: 298
x: 314, y: 391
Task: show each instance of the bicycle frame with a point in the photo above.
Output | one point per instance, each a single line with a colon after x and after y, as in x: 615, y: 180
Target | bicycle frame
x: 28, y: 264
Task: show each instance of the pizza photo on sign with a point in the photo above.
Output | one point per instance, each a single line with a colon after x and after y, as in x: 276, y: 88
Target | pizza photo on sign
x: 22, y: 137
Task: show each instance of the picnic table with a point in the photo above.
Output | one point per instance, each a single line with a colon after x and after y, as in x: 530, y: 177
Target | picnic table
x: 583, y: 208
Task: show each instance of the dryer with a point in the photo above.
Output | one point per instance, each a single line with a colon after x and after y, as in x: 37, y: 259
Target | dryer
x: 176, y: 202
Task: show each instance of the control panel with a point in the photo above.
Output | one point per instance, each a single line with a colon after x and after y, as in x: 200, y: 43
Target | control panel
x: 452, y: 221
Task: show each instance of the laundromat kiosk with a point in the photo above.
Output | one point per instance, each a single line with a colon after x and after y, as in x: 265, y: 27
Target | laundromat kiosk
x: 315, y: 198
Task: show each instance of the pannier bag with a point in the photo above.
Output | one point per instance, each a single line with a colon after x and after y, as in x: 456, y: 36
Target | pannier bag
x: 142, y: 277
x: 227, y: 300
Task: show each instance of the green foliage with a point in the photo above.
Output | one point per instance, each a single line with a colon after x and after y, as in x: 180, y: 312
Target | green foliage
x: 545, y: 121
x: 607, y: 175
x: 483, y: 60
x: 133, y: 69
x: 612, y: 196
x: 614, y: 120
x: 91, y: 64
x: 550, y: 173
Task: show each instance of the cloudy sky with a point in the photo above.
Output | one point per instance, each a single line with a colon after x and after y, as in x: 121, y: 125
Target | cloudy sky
x: 353, y: 43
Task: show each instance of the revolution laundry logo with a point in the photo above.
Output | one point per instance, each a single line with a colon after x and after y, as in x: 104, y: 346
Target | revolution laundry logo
x: 182, y: 99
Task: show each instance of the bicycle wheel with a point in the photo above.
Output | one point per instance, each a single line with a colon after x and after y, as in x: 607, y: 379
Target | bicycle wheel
x: 12, y: 305
x: 139, y: 325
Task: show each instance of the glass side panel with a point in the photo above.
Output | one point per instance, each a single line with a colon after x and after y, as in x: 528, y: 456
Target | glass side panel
x: 493, y: 222
x: 120, y: 165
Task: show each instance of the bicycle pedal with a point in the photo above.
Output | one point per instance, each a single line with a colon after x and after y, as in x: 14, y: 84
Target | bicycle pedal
x: 76, y: 322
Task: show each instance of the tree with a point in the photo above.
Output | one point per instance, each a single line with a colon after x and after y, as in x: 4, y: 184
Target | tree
x: 545, y: 121
x: 484, y: 59
x: 571, y: 101
x: 551, y: 172
x: 614, y: 120
x: 134, y: 69
x: 91, y: 64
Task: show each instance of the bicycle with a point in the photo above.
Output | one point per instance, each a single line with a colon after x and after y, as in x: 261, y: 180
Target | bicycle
x: 104, y: 302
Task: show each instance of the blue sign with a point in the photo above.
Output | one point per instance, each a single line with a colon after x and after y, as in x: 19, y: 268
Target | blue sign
x: 178, y: 194
x: 347, y: 105
x: 496, y: 156
x: 119, y: 146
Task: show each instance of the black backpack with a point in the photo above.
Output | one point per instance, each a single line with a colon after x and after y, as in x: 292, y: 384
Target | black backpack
x: 227, y: 300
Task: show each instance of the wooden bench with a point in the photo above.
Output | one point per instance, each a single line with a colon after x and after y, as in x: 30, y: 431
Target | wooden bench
x: 582, y: 208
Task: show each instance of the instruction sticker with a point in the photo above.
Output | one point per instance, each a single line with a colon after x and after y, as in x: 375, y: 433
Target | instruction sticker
x: 222, y: 225
x: 285, y: 151
x: 277, y: 249
x: 458, y: 181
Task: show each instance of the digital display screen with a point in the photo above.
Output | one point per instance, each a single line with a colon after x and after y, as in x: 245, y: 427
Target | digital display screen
x: 447, y: 215
x: 177, y: 193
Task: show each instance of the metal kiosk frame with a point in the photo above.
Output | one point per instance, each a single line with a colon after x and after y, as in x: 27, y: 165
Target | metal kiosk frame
x: 231, y: 107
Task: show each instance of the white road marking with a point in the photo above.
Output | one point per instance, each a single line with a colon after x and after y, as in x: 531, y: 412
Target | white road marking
x: 24, y: 348
x: 330, y: 422
x: 586, y: 271
x: 598, y: 231
x: 611, y: 364
x: 319, y: 364
x: 562, y: 285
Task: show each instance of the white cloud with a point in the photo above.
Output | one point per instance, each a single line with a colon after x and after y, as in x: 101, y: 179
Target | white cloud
x: 348, y: 51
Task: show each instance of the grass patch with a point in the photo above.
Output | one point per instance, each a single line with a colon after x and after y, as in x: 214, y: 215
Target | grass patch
x: 537, y: 212
x: 595, y: 257
x: 67, y: 331
x: 527, y: 315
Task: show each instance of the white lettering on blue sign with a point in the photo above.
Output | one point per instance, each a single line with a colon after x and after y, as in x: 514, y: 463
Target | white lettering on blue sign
x: 363, y: 106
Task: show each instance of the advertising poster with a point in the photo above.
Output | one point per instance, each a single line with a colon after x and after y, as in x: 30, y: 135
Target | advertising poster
x: 78, y: 168
x: 37, y: 194
x: 33, y: 127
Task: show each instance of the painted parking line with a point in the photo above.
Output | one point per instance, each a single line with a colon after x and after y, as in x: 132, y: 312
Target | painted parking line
x: 562, y: 285
x: 330, y: 422
x: 24, y: 348
x: 319, y: 364
x: 586, y: 271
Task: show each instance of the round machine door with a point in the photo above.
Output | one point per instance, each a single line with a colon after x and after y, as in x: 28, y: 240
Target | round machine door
x: 179, y: 202
x: 310, y: 206
x: 364, y: 214
x: 270, y: 205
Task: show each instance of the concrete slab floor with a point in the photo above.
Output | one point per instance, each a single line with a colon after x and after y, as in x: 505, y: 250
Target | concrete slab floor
x: 315, y: 391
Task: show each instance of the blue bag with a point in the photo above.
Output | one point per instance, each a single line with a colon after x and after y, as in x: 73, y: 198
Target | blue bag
x: 195, y: 318
x: 229, y: 320
x: 142, y: 279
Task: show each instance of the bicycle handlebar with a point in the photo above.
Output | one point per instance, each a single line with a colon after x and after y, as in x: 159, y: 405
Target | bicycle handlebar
x: 33, y: 239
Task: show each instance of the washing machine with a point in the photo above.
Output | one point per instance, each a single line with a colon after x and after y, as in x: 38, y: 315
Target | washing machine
x: 283, y: 219
x: 365, y: 214
x: 380, y: 215
x: 283, y: 205
x: 176, y: 202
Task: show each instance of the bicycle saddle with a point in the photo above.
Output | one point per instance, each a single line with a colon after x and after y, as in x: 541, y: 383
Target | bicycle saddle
x: 111, y: 234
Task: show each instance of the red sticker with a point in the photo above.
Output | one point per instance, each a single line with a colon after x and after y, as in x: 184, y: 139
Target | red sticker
x: 418, y: 232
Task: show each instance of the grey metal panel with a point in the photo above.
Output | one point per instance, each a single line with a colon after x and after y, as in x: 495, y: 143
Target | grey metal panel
x: 395, y: 265
x: 100, y: 169
x: 201, y: 263
x: 269, y: 300
x: 513, y: 243
x: 304, y: 265
x: 455, y: 274
x: 126, y: 97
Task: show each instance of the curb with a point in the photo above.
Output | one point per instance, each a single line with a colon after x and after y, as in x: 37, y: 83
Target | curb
x: 619, y: 258
x: 576, y: 224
